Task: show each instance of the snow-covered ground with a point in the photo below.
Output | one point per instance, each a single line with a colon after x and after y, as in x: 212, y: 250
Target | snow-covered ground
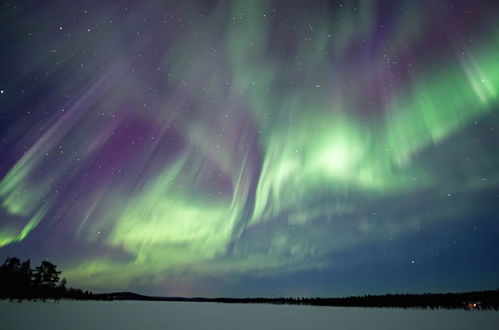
x: 187, y: 315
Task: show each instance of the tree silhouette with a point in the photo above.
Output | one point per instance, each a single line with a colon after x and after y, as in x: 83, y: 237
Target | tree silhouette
x: 45, y: 279
x: 11, y: 279
x: 11, y: 264
x: 46, y: 274
x: 62, y: 285
x: 61, y: 289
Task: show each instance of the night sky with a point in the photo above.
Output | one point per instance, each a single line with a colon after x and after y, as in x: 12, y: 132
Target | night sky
x: 252, y: 148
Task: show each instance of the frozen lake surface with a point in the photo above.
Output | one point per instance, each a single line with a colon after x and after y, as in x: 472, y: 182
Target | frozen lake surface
x: 188, y: 315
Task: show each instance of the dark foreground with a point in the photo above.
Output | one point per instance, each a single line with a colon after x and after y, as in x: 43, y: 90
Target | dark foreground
x: 128, y: 315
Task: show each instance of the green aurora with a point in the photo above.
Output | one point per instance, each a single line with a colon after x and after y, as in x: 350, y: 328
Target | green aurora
x: 257, y: 139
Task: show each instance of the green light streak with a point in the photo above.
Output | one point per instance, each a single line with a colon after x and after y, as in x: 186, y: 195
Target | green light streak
x: 318, y: 158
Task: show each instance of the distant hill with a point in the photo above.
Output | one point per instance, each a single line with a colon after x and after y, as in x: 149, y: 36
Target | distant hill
x: 483, y: 300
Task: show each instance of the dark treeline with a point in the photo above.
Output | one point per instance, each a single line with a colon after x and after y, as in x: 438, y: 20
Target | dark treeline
x: 19, y: 281
x: 483, y: 300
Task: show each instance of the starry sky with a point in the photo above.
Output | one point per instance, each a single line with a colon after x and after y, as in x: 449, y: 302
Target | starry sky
x: 252, y: 148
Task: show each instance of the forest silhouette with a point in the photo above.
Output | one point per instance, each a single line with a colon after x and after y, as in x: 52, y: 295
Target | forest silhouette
x: 18, y: 281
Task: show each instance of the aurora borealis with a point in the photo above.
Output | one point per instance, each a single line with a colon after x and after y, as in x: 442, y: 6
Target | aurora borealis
x: 244, y: 148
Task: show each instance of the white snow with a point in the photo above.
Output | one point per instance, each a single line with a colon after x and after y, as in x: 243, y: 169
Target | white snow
x: 124, y: 315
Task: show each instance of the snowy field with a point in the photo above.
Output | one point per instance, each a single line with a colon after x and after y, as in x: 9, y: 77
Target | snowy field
x: 187, y: 315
